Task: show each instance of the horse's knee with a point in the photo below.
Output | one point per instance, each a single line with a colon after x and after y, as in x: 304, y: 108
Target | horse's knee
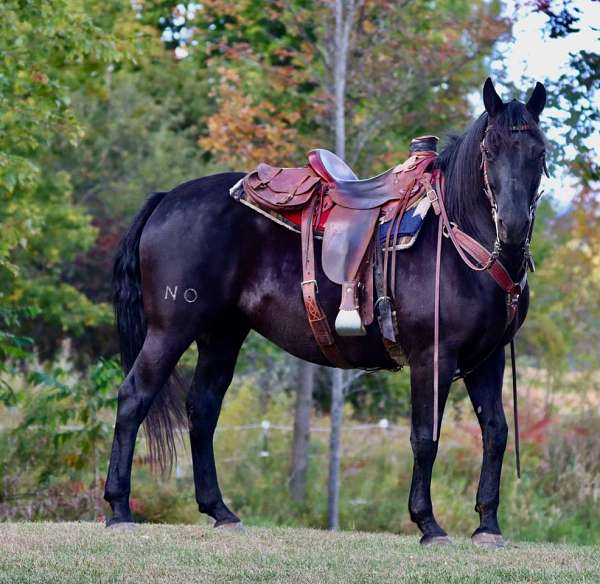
x: 203, y: 404
x: 423, y: 447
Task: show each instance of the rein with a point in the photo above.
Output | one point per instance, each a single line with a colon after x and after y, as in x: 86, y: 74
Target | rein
x: 486, y: 261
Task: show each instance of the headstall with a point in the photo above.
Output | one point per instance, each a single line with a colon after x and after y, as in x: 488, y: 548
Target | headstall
x: 527, y: 258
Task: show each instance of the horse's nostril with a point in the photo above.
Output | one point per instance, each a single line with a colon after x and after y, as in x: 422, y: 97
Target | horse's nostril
x: 514, y: 233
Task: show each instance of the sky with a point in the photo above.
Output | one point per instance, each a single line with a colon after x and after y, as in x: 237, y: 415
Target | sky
x: 531, y: 56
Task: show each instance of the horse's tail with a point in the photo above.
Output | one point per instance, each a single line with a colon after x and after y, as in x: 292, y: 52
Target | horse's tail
x: 167, y: 411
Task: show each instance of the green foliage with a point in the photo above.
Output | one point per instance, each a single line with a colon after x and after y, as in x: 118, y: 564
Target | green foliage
x: 61, y: 436
x: 574, y: 97
x: 12, y: 348
x: 48, y: 48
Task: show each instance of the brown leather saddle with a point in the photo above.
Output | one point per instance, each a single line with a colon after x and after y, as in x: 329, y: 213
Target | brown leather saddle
x: 354, y: 207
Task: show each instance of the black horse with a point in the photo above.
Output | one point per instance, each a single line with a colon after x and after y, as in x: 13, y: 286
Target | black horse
x: 198, y: 266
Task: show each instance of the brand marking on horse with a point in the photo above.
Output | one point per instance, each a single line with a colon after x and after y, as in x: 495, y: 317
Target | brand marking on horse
x: 190, y: 295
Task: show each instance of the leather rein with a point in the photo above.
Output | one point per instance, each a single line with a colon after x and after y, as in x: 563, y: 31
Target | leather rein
x: 484, y: 261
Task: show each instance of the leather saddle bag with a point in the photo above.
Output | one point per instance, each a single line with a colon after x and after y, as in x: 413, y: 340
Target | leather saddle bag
x: 282, y: 189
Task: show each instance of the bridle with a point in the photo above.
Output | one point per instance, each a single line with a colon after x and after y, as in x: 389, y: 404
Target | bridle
x: 489, y: 193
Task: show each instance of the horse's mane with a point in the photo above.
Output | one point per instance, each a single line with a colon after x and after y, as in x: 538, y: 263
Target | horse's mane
x: 460, y: 162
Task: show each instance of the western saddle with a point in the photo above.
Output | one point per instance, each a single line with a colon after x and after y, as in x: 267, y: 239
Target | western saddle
x: 351, y: 252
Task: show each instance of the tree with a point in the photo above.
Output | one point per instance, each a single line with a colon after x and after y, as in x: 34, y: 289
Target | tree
x: 301, y: 436
x: 48, y: 49
x: 401, y: 68
x: 563, y: 323
x: 335, y: 449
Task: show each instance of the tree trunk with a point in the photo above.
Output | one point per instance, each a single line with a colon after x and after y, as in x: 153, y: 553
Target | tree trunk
x: 344, y: 19
x: 335, y: 449
x: 301, y: 439
x: 340, y: 63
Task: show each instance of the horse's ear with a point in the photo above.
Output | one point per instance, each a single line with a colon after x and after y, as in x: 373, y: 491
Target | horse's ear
x: 537, y: 101
x: 491, y: 100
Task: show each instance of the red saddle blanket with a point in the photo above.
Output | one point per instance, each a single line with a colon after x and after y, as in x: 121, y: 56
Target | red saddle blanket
x: 295, y: 217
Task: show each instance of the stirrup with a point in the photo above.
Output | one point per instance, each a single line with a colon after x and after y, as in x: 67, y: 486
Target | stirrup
x: 349, y: 324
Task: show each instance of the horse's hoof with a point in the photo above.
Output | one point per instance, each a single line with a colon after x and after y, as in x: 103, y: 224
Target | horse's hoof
x: 428, y: 540
x: 122, y: 526
x: 230, y: 525
x: 490, y: 541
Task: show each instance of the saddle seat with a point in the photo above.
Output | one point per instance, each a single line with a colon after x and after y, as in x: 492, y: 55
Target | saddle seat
x: 354, y: 207
x: 347, y: 190
x: 330, y: 166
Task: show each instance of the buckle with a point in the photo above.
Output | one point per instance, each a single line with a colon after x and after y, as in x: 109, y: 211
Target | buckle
x: 445, y: 229
x: 304, y: 282
x: 432, y: 195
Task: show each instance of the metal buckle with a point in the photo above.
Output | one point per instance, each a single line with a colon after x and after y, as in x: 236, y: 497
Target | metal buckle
x: 432, y: 195
x: 304, y: 282
x: 382, y: 299
x: 445, y: 229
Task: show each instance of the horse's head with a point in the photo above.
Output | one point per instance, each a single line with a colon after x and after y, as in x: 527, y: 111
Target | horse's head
x: 513, y: 159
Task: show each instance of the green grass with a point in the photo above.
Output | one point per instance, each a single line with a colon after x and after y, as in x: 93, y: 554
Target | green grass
x: 87, y: 552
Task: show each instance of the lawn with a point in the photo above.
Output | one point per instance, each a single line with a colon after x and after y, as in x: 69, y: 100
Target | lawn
x: 87, y: 552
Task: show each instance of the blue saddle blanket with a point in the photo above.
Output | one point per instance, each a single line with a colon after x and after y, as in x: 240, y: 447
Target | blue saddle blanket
x: 410, y: 225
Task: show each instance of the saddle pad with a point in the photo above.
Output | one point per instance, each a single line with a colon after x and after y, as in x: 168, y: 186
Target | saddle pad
x: 410, y: 225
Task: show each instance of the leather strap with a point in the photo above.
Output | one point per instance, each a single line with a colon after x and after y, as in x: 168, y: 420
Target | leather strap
x: 386, y: 310
x: 513, y: 364
x: 317, y: 319
x: 497, y: 271
x: 436, y: 328
x: 486, y: 261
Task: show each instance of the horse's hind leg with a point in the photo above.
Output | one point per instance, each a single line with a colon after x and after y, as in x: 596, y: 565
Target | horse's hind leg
x: 485, y: 390
x: 217, y: 354
x: 423, y: 446
x: 147, y: 377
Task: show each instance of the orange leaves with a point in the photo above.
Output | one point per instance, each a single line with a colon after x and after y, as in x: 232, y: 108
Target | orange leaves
x: 244, y: 132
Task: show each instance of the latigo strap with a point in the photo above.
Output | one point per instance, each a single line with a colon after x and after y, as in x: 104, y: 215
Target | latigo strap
x: 317, y: 319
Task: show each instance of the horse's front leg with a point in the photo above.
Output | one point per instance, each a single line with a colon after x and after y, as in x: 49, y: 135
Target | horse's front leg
x: 423, y: 446
x: 485, y: 390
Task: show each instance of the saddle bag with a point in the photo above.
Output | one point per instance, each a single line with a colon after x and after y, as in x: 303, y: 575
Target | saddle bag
x: 282, y: 189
